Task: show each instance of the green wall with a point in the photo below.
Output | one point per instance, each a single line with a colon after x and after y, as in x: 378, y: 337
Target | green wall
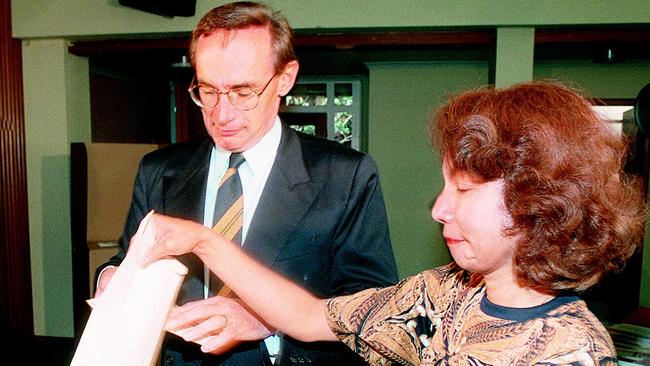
x: 401, y: 98
x: 57, y: 112
x: 614, y: 81
x: 401, y: 95
x: 72, y: 18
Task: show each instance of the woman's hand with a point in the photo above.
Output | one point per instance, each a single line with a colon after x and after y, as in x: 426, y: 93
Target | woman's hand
x: 174, y: 237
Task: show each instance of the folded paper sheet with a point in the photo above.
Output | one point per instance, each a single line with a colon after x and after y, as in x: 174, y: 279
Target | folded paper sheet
x: 126, y: 325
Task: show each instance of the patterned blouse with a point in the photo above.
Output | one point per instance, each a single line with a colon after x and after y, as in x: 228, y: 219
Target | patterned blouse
x: 442, y: 317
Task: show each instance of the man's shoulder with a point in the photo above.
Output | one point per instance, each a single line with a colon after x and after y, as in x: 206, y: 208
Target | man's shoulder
x: 328, y: 159
x: 314, y: 147
x: 316, y: 142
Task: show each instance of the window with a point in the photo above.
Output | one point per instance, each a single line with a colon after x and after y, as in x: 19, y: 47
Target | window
x: 614, y: 114
x: 329, y: 108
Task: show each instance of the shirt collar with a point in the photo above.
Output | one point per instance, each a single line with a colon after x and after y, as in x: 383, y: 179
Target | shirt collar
x: 261, y: 155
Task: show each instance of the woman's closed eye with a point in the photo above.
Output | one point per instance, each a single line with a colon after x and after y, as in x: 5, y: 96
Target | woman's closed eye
x: 465, y: 186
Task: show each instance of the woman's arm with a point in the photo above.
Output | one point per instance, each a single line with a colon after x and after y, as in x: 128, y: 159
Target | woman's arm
x: 283, y: 304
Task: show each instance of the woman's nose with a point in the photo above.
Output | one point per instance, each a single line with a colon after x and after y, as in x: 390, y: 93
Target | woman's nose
x: 441, y: 211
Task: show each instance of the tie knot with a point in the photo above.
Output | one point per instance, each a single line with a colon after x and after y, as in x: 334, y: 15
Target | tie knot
x: 236, y: 159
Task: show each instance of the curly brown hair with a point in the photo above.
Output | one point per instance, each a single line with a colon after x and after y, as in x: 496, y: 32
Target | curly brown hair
x: 245, y: 14
x: 577, y: 214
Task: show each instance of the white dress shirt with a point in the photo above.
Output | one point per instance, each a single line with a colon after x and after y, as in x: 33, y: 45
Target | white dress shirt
x: 253, y: 174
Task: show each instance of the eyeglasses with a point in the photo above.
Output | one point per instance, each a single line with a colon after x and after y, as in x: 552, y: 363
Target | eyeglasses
x: 243, y: 97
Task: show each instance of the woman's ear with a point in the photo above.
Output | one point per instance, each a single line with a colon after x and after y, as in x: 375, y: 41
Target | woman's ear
x: 287, y: 77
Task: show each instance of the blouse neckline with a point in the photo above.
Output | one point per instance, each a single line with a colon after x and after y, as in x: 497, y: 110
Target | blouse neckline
x: 524, y: 314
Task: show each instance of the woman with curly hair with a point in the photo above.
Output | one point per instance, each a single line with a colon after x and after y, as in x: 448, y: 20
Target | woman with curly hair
x: 535, y: 209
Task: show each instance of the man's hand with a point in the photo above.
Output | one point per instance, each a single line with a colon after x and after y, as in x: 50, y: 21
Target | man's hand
x: 217, y: 324
x: 104, y: 279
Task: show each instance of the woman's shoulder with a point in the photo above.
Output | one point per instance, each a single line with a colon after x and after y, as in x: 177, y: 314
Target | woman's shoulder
x: 406, y: 292
x: 576, y: 318
x: 579, y: 333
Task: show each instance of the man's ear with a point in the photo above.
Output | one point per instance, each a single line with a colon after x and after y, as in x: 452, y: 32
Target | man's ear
x: 287, y: 77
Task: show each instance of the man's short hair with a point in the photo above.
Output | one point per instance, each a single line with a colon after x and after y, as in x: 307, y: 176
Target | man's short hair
x: 245, y: 14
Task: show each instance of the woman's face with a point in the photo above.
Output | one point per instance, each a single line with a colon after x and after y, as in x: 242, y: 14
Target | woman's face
x: 473, y: 217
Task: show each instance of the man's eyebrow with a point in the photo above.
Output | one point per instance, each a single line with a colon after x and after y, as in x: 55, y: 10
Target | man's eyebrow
x: 245, y: 84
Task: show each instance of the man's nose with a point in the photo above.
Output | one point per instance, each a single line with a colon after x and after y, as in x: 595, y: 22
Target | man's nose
x: 224, y: 111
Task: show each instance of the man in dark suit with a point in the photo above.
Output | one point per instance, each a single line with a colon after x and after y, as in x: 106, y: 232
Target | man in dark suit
x: 312, y: 209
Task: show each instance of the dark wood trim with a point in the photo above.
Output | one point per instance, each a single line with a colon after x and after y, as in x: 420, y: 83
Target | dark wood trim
x: 78, y: 226
x: 127, y: 46
x: 546, y: 36
x: 182, y: 112
x: 339, y: 40
x: 640, y: 317
x: 15, y: 266
x: 397, y: 38
x: 362, y: 38
x: 612, y: 101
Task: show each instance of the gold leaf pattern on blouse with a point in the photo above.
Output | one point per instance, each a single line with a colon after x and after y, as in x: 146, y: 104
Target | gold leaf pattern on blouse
x: 435, y: 318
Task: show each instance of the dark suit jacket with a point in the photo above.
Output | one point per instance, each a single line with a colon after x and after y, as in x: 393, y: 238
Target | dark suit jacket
x: 320, y: 221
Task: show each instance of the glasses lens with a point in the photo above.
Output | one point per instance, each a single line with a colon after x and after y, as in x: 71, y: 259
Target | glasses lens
x: 243, y: 98
x: 207, y: 96
x: 204, y: 97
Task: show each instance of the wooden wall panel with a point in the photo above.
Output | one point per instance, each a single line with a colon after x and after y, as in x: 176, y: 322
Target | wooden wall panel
x: 15, y: 273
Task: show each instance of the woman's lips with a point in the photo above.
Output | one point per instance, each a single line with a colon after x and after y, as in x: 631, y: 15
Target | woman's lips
x: 452, y: 241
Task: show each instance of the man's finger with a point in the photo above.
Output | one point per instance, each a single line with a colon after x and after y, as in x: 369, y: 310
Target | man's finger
x: 210, y: 327
x: 218, y: 344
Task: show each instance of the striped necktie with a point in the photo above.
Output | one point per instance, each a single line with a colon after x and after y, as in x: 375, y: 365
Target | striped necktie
x: 228, y: 213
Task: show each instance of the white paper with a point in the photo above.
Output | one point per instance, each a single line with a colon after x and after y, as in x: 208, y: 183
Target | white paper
x: 126, y: 326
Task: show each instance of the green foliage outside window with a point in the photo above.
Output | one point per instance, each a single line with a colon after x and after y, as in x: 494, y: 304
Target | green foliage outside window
x: 308, y: 129
x: 343, y: 127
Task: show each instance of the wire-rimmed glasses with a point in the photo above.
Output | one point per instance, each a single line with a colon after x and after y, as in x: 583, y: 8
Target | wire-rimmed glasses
x: 241, y: 97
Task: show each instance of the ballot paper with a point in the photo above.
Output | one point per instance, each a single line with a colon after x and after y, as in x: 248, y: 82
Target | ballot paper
x: 126, y: 325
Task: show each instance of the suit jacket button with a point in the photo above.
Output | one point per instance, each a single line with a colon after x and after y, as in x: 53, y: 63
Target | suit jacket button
x: 169, y: 360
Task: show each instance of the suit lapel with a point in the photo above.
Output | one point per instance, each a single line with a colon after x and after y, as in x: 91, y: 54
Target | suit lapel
x: 184, y: 188
x: 287, y: 195
x: 184, y: 185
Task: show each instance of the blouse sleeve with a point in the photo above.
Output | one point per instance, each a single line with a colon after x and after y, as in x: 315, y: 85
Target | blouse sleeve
x: 385, y: 326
